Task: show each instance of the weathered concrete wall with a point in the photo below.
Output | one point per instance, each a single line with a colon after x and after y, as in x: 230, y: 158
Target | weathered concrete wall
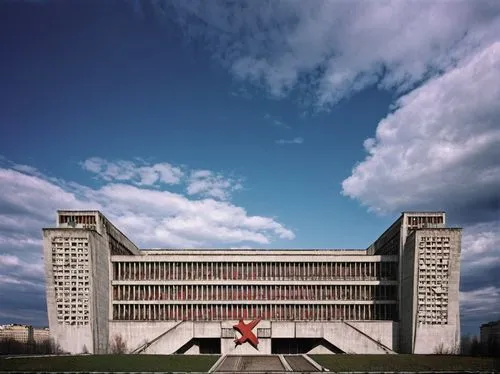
x: 228, y: 346
x: 351, y: 341
x: 283, y: 329
x: 173, y: 340
x: 100, y: 291
x: 108, y: 228
x: 310, y: 329
x: 207, y: 329
x: 137, y: 333
x: 386, y: 332
x: 347, y: 338
x: 408, y: 294
x: 383, y: 331
x: 432, y: 337
x: 408, y: 317
x: 72, y: 339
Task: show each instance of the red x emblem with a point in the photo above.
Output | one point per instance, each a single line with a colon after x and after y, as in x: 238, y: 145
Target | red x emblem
x: 246, y: 332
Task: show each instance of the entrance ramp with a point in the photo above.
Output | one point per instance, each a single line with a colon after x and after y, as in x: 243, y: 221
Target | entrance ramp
x: 247, y: 363
x: 300, y: 364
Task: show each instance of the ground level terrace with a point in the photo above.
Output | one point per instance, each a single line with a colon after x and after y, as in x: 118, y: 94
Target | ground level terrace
x: 195, y: 337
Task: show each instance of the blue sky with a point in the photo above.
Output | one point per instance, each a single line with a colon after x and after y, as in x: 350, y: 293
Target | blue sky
x: 197, y: 124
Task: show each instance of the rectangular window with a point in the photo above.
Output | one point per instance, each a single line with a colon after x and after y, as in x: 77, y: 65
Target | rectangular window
x: 263, y: 333
x: 228, y: 333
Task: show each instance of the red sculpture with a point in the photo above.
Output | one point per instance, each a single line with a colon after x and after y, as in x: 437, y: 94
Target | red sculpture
x: 246, y: 332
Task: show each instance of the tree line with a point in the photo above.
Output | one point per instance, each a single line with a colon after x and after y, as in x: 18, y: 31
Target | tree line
x: 11, y: 346
x: 472, y: 346
x: 469, y: 346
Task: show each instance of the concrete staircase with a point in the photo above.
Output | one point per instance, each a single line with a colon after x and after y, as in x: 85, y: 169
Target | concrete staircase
x: 385, y: 348
x: 169, y: 341
x: 350, y: 339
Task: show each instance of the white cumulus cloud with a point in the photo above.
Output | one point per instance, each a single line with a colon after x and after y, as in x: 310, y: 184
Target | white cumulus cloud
x: 481, y: 248
x: 297, y: 140
x: 137, y: 172
x: 209, y: 184
x: 332, y: 49
x: 159, y: 218
x: 440, y: 148
x: 152, y: 218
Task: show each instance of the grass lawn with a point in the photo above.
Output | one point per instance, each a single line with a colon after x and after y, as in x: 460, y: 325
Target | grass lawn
x: 406, y: 362
x: 164, y: 363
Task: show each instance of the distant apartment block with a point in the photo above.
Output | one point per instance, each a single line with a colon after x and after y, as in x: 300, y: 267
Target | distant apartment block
x: 490, y: 333
x: 24, y: 333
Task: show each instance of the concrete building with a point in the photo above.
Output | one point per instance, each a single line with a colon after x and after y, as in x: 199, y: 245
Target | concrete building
x: 21, y: 333
x: 490, y: 333
x: 398, y: 295
x: 41, y: 335
x: 24, y: 333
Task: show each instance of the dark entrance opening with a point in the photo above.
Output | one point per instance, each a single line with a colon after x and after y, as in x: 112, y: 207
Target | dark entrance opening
x: 206, y: 345
x: 300, y: 345
x: 209, y: 345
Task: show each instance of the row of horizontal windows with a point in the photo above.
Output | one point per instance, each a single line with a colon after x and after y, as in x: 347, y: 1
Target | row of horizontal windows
x: 81, y: 219
x: 73, y: 277
x: 280, y: 312
x: 63, y: 303
x: 80, y: 316
x: 422, y: 220
x: 434, y: 246
x: 73, y: 321
x: 70, y: 246
x: 253, y: 270
x: 72, y: 309
x: 433, y: 320
x: 70, y: 254
x: 432, y: 275
x: 65, y: 239
x: 75, y: 272
x: 434, y: 239
x: 75, y: 294
x: 433, y: 261
x: 254, y: 292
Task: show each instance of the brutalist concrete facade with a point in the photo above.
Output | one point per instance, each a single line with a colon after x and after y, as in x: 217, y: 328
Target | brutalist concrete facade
x: 77, y: 262
x: 398, y: 295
